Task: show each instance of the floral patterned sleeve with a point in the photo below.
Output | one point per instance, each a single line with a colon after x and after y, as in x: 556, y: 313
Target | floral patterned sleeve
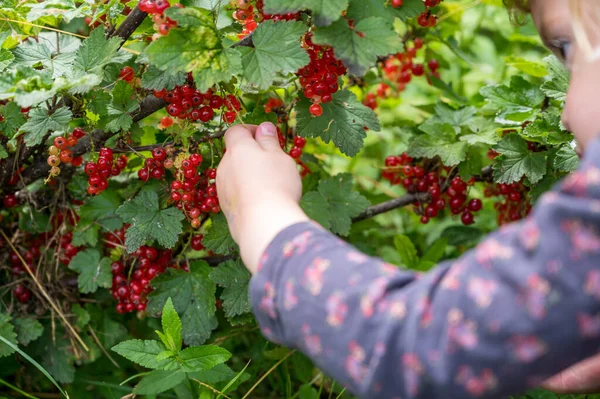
x: 520, y: 307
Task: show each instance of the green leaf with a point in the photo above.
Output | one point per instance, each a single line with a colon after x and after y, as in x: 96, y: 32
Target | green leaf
x: 462, y: 235
x: 566, y: 159
x: 193, y: 297
x: 558, y: 83
x: 144, y: 353
x: 56, y: 357
x: 450, y: 151
x: 158, y: 381
x: 33, y: 53
x: 200, y: 358
x: 96, y: 52
x: 3, y: 153
x: 171, y: 325
x: 101, y: 209
x: 13, y: 119
x: 7, y: 331
x: 436, y: 252
x: 316, y: 207
x: 446, y: 115
x: 344, y: 202
x: 40, y: 123
x: 195, y: 46
x: 324, y: 11
x: 343, y: 122
x: 155, y: 79
x: 532, y: 68
x: 28, y: 330
x: 93, y: 270
x: 219, y: 373
x: 359, y: 48
x: 276, y: 50
x: 516, y: 104
x: 6, y: 58
x: 82, y: 316
x: 234, y: 277
x: 363, y: 9
x: 516, y: 160
x: 87, y: 236
x: 120, y: 108
x: 407, y: 251
x: 149, y: 222
x: 218, y: 238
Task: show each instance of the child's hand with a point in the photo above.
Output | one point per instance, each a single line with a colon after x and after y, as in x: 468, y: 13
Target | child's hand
x: 259, y: 188
x: 582, y: 378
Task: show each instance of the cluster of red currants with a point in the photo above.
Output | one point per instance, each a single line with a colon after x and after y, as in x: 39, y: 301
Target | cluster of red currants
x: 296, y: 151
x: 186, y: 102
x: 155, y: 167
x: 273, y: 103
x: 131, y: 293
x: 62, y: 151
x: 99, y: 172
x: 113, y: 239
x: 156, y: 8
x: 514, y: 204
x: 416, y: 177
x: 194, y: 193
x: 426, y: 19
x: 319, y: 78
x: 127, y: 74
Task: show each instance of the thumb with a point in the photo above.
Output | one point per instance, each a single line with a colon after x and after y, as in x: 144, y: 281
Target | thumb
x: 266, y: 137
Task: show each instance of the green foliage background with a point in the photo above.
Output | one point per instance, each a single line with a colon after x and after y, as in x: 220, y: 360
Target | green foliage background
x: 495, y: 77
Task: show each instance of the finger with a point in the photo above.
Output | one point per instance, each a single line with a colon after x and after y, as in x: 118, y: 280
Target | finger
x: 266, y: 137
x: 583, y: 377
x: 240, y: 135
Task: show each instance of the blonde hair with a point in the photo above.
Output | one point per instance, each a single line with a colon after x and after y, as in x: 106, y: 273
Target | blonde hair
x: 586, y: 25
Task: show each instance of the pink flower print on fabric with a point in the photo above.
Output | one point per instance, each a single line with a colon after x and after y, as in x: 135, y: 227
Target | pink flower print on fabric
x: 356, y: 257
x: 476, y: 385
x: 527, y: 349
x: 451, y: 280
x: 589, y: 325
x: 491, y: 250
x: 579, y: 183
x: 388, y: 269
x: 311, y: 342
x: 374, y: 293
x: 424, y: 306
x: 535, y: 296
x: 267, y: 303
x: 354, y: 363
x: 530, y: 235
x: 482, y: 291
x: 397, y: 309
x: 290, y: 300
x: 337, y: 309
x: 313, y: 275
x: 298, y: 245
x: 461, y: 332
x: 262, y: 261
x: 413, y: 371
x: 592, y: 284
x: 584, y: 239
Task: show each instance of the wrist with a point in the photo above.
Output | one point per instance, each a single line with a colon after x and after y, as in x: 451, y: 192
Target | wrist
x: 261, y: 225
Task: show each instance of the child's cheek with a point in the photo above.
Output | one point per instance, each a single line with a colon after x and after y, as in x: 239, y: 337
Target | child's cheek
x: 581, y: 110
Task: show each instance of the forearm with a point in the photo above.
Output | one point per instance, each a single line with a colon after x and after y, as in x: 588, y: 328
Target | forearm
x: 262, y: 224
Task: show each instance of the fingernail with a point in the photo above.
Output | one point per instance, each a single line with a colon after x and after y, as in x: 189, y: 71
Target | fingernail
x: 268, y: 129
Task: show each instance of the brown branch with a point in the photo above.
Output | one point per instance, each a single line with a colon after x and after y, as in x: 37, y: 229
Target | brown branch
x: 390, y: 205
x: 95, y: 140
x: 131, y: 23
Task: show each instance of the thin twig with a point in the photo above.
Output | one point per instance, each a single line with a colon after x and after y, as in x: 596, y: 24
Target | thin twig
x: 290, y: 353
x: 45, y: 294
x: 95, y: 337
